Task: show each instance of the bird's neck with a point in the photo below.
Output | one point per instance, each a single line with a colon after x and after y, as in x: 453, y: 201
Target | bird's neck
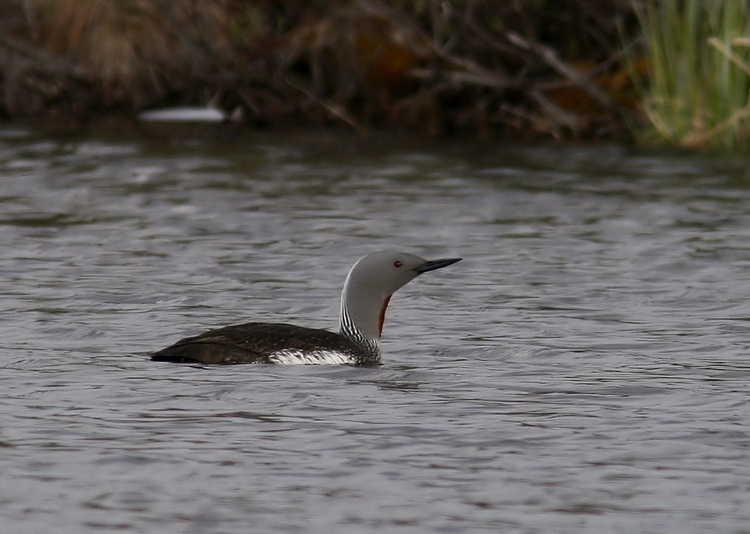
x: 361, y: 318
x: 369, y: 346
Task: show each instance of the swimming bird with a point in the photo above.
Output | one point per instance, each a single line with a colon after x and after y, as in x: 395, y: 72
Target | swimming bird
x: 367, y: 291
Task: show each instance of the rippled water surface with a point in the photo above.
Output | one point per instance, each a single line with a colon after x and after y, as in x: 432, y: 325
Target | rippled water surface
x: 585, y: 369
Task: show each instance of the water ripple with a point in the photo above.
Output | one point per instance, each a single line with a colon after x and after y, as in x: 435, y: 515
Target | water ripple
x: 584, y: 369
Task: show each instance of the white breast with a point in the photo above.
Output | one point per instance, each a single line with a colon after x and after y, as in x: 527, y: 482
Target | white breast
x: 320, y: 357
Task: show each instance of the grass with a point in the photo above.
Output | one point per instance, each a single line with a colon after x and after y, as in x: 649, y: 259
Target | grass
x: 699, y: 78
x: 131, y: 47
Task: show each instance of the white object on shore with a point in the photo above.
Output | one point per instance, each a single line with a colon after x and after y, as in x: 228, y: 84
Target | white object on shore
x: 184, y: 114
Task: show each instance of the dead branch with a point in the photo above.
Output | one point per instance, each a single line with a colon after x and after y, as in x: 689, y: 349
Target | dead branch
x: 550, y: 57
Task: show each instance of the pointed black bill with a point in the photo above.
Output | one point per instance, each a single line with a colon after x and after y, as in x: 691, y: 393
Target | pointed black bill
x: 436, y: 264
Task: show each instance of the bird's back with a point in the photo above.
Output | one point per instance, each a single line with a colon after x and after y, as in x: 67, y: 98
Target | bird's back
x: 262, y: 343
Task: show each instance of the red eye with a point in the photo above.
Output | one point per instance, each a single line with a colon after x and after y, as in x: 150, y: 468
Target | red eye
x: 397, y: 264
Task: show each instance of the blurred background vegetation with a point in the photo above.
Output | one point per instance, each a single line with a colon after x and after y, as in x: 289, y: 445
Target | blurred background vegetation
x: 696, y: 93
x: 520, y: 69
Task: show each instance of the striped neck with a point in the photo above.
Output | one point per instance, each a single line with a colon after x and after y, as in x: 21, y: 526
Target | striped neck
x: 369, y: 347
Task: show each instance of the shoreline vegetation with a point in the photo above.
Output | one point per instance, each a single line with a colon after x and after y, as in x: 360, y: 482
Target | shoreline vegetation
x: 699, y: 76
x: 522, y: 69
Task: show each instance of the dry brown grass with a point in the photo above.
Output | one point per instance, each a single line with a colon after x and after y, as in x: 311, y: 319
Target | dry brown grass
x: 132, y: 47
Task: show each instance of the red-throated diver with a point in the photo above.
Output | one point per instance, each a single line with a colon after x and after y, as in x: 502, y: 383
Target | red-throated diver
x: 367, y: 291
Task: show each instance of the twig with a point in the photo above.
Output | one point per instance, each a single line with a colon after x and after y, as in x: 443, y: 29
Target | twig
x: 731, y: 56
x: 334, y: 110
x: 472, y: 75
x: 549, y: 56
x: 562, y: 117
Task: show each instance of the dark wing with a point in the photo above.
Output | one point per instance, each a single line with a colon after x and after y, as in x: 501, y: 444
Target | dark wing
x: 251, y: 343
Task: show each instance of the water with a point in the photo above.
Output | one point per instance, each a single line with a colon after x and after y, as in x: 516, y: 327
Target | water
x: 586, y: 368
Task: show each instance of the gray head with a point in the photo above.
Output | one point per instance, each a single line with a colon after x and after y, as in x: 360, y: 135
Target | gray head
x: 369, y: 286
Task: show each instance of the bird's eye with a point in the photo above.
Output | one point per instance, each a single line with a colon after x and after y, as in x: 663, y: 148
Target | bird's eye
x: 397, y: 264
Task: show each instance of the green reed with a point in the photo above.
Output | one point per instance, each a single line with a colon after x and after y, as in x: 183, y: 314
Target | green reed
x: 699, y: 77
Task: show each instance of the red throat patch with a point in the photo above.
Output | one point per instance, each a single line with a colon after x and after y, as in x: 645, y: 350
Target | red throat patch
x: 382, y: 314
